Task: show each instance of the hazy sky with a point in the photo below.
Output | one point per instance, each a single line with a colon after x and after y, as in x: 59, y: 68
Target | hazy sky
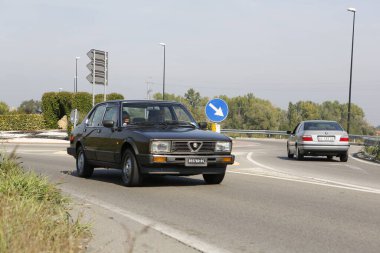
x: 283, y: 51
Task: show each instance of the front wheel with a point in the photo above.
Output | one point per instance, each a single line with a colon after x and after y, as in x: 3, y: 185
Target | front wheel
x: 344, y: 157
x: 84, y: 169
x: 213, y: 178
x: 130, y: 171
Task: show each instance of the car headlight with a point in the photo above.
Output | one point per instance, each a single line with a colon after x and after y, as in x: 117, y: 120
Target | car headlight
x: 160, y: 147
x: 223, y: 146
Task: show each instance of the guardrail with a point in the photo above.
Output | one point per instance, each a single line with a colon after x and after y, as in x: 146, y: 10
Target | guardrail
x: 365, y: 139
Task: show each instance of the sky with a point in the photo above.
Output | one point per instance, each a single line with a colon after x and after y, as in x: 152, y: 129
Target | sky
x: 282, y: 51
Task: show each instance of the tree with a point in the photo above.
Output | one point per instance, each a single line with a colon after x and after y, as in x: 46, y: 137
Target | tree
x: 30, y: 106
x: 4, y: 108
x: 193, y: 97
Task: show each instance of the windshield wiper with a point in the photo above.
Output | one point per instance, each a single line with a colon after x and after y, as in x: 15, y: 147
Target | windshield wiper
x: 180, y: 123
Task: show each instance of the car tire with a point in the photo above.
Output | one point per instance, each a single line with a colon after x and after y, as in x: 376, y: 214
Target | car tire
x: 84, y: 169
x: 213, y: 178
x: 344, y: 157
x: 289, y: 154
x: 329, y: 157
x: 298, y: 154
x: 130, y: 173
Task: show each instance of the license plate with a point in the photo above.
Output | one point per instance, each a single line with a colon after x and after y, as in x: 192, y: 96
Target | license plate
x: 326, y: 138
x: 196, y: 161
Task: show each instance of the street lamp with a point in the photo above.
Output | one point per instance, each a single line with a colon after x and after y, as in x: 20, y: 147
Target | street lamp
x: 163, y: 81
x: 353, y: 10
x: 76, y: 74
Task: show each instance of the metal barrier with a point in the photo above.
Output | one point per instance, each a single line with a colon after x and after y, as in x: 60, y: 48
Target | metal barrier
x: 362, y: 139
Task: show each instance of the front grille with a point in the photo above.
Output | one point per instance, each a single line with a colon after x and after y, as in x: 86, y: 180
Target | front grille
x: 183, y: 147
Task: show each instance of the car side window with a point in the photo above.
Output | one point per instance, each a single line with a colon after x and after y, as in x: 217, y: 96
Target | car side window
x: 111, y: 114
x: 300, y: 127
x: 97, y: 116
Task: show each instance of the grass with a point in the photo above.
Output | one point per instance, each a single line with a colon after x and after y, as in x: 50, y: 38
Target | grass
x: 34, y: 215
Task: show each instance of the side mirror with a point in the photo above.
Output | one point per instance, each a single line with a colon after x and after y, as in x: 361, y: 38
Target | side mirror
x: 202, y: 125
x: 108, y: 123
x: 288, y: 132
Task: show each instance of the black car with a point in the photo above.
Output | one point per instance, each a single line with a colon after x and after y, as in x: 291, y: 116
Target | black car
x: 148, y: 137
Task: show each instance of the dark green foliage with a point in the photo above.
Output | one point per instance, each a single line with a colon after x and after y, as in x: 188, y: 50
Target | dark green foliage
x: 50, y: 109
x: 82, y: 101
x: 29, y: 106
x: 22, y: 122
x: 114, y: 96
x: 55, y: 105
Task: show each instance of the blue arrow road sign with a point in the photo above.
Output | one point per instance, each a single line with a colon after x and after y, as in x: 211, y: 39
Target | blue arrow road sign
x: 216, y: 110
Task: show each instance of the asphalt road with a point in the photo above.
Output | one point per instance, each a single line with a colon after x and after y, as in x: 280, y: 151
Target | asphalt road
x: 267, y: 202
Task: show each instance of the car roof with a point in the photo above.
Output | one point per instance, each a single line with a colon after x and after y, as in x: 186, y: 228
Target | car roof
x: 318, y: 121
x: 141, y: 101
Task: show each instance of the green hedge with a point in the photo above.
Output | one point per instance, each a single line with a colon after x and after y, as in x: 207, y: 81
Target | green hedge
x: 55, y: 105
x: 22, y: 122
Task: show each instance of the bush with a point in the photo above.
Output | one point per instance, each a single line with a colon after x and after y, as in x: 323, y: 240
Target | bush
x: 55, y: 105
x: 112, y: 96
x: 22, y: 122
x: 50, y: 109
x: 373, y: 151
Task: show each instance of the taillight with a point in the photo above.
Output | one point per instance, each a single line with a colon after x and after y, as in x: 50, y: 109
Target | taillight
x: 307, y: 138
x: 71, y: 138
x: 344, y: 139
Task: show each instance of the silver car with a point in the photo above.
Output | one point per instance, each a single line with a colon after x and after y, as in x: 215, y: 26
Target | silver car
x: 318, y: 138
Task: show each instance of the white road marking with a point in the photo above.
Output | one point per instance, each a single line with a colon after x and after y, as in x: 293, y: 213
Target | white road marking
x: 176, y: 234
x: 63, y: 152
x: 239, y: 153
x: 347, y: 187
x: 363, y: 161
x: 349, y: 166
x: 311, y: 180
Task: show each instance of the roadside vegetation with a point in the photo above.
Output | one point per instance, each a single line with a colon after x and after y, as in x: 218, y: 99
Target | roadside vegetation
x: 34, y: 215
x: 373, y: 151
x: 250, y: 112
x: 246, y: 112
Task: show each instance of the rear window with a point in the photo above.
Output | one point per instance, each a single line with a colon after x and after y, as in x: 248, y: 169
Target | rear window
x: 332, y: 126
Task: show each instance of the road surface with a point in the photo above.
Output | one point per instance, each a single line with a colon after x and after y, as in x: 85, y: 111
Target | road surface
x: 267, y: 202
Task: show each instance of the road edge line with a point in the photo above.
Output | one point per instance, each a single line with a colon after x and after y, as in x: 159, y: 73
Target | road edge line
x: 180, y: 236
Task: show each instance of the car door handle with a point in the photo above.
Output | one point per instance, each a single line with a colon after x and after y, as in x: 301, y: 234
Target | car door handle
x: 99, y: 130
x: 84, y: 130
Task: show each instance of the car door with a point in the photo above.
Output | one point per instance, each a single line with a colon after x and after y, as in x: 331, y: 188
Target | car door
x: 292, y: 139
x: 107, y: 147
x: 92, y: 132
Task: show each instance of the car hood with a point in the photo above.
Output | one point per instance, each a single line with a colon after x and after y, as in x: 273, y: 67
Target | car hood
x: 181, y: 133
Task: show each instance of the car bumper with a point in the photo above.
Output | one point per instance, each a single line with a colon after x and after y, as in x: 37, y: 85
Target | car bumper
x: 71, y: 151
x: 176, y: 164
x: 323, y: 149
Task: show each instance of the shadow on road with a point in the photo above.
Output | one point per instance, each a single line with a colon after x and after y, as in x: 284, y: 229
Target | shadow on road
x: 310, y: 158
x: 114, y: 176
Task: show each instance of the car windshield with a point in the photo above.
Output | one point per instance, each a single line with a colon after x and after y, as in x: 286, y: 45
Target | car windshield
x: 316, y: 126
x: 157, y: 114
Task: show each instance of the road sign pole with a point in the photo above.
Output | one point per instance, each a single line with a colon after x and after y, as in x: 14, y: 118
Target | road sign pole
x: 105, y: 76
x: 93, y: 79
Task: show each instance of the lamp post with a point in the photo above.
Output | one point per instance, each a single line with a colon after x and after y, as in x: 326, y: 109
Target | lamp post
x: 353, y: 10
x: 163, y: 80
x: 76, y: 74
